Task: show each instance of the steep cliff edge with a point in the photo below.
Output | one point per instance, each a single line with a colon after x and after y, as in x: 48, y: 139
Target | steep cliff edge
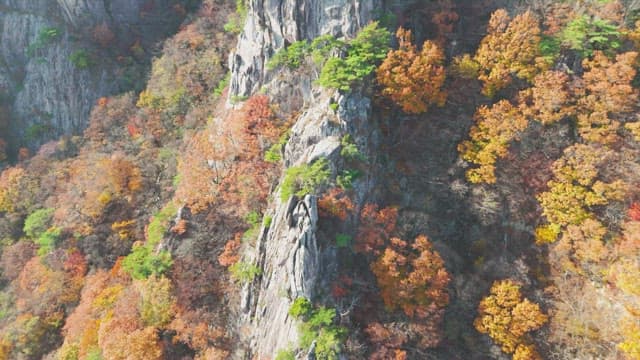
x: 57, y: 57
x: 295, y: 260
x: 272, y: 24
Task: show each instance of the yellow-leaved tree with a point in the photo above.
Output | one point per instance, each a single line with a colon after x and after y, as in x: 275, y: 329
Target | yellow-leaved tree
x: 511, y: 47
x: 507, y: 318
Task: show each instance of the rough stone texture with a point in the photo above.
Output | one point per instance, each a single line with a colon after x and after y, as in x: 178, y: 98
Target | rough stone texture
x: 271, y: 24
x: 56, y: 93
x: 293, y: 262
x: 44, y: 87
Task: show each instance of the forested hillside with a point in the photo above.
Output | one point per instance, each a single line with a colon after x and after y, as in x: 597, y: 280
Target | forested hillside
x: 314, y: 179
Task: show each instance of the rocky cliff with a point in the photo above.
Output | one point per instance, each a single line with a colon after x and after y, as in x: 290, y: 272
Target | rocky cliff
x: 54, y: 65
x: 295, y: 260
x: 272, y: 24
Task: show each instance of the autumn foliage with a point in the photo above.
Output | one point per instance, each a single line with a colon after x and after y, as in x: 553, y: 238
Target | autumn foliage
x: 387, y: 341
x: 507, y: 318
x: 230, y: 255
x: 411, y: 78
x: 608, y: 92
x: 335, y: 203
x: 94, y: 194
x: 10, y: 182
x: 550, y: 98
x: 510, y: 47
x: 412, y: 277
x: 495, y: 128
x: 224, y: 163
x: 376, y: 227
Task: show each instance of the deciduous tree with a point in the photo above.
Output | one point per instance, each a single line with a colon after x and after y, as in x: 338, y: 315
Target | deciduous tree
x: 412, y: 277
x: 411, y: 78
x: 550, y: 98
x: 506, y: 317
x: 608, y: 93
x: 495, y: 128
x: 376, y: 227
x: 510, y: 47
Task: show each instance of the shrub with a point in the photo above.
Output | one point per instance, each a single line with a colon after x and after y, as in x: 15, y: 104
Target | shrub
x: 253, y: 218
x: 335, y: 203
x: 495, y: 128
x: 68, y: 351
x: 244, y: 272
x: 80, y: 59
x: 222, y: 85
x: 37, y: 222
x: 549, y: 48
x: 236, y: 20
x: 343, y: 240
x: 291, y: 56
x: 506, y: 317
x: 48, y: 240
x: 157, y: 303
x: 349, y: 150
x: 230, y: 254
x: 274, y: 153
x: 510, y: 48
x: 336, y: 75
x: 364, y: 53
x: 329, y: 342
x: 346, y: 178
x: 412, y: 277
x: 317, y: 324
x: 300, y: 308
x: 286, y: 355
x: 103, y: 35
x: 323, y: 47
x: 585, y: 35
x: 413, y: 79
x: 465, y: 67
x: 45, y: 37
x: 142, y: 262
x: 160, y: 224
x: 305, y: 179
x: 12, y: 181
x: 547, y: 233
x: 36, y: 131
x: 94, y: 354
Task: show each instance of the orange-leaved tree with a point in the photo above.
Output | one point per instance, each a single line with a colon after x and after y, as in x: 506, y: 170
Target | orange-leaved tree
x: 376, y: 227
x: 510, y: 47
x: 413, y: 79
x: 608, y: 92
x: 413, y: 278
x: 223, y: 164
x: 550, y: 99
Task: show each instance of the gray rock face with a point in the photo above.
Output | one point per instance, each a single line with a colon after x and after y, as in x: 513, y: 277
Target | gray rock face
x: 271, y: 24
x: 293, y: 259
x: 288, y: 255
x: 42, y: 85
x: 289, y: 252
x: 84, y: 12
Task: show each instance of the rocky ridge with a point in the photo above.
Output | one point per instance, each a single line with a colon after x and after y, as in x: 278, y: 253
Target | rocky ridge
x: 294, y: 260
x: 272, y: 24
